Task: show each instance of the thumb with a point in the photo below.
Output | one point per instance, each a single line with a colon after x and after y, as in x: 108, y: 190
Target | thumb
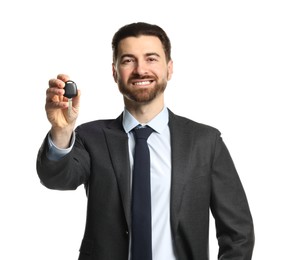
x: 76, y: 100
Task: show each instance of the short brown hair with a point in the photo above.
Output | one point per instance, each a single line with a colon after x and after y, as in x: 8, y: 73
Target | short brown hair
x: 138, y: 29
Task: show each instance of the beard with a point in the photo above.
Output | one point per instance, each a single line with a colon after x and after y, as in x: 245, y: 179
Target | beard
x: 142, y: 95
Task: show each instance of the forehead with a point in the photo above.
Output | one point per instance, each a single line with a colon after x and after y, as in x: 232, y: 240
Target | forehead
x: 140, y: 45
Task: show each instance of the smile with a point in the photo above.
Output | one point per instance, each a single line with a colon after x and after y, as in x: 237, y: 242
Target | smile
x: 142, y: 83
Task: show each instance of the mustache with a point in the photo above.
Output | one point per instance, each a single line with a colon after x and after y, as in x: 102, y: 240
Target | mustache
x: 139, y: 77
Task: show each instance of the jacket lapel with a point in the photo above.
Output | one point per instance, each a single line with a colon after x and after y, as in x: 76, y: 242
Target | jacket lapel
x: 117, y: 142
x: 181, y: 164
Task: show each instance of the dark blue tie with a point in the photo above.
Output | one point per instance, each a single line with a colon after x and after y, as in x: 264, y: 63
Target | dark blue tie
x: 141, y: 244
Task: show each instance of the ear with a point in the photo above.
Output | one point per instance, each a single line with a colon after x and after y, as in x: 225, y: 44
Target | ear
x: 170, y: 69
x: 114, y: 73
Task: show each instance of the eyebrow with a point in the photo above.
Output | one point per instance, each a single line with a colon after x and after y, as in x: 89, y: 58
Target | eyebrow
x: 152, y: 54
x: 132, y: 56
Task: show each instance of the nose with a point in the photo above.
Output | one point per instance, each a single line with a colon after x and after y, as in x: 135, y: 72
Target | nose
x: 140, y: 68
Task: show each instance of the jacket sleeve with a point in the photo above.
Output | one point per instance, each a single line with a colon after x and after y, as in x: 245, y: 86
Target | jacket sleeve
x: 229, y: 205
x: 67, y: 173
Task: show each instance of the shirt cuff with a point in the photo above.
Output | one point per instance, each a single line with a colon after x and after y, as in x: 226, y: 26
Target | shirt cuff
x: 54, y: 153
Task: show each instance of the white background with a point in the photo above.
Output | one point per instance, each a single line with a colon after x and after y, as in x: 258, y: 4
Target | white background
x: 231, y: 61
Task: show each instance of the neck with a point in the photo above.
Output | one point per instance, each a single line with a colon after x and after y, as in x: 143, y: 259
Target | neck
x: 145, y: 112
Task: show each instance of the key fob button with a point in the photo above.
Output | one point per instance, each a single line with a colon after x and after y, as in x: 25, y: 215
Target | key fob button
x: 70, y: 89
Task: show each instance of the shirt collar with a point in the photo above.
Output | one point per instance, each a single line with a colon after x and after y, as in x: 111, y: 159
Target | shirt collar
x: 158, y: 123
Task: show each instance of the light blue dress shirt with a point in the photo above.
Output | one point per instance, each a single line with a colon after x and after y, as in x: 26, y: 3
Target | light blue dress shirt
x: 160, y: 154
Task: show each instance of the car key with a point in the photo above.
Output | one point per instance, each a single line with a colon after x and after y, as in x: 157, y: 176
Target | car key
x: 70, y: 89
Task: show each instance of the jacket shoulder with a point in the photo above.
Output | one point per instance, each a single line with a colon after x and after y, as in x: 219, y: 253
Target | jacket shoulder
x: 103, y: 123
x: 191, y: 125
x: 98, y: 125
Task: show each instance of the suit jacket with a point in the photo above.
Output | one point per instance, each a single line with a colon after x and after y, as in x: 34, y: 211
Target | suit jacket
x: 203, y: 178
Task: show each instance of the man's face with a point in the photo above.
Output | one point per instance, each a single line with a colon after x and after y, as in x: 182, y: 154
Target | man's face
x: 141, y: 70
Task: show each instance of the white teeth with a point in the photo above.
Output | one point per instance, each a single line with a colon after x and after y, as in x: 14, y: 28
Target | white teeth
x: 142, y: 83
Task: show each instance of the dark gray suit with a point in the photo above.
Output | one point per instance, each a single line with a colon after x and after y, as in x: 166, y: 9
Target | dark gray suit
x: 203, y: 178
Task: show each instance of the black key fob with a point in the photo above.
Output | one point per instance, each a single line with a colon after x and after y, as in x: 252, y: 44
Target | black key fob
x: 70, y: 89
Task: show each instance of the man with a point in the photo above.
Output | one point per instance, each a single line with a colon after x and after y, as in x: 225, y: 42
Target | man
x: 191, y: 170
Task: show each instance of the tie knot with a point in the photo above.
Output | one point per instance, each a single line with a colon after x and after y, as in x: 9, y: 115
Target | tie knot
x: 142, y: 132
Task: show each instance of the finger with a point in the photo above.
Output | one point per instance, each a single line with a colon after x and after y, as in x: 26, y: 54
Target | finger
x: 55, y: 102
x: 56, y: 83
x: 55, y: 99
x: 56, y: 105
x: 51, y: 91
x: 63, y: 77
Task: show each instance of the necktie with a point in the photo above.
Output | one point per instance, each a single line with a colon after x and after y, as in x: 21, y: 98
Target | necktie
x: 141, y: 247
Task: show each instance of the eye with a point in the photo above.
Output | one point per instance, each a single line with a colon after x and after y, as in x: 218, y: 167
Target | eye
x: 152, y: 59
x: 127, y: 60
